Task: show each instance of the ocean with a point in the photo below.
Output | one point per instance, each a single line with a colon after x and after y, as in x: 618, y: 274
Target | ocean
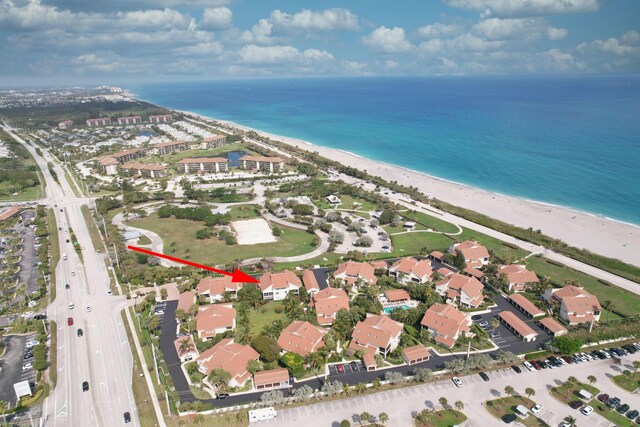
x: 569, y: 141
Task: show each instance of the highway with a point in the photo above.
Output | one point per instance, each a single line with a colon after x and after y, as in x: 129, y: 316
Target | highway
x: 102, y: 356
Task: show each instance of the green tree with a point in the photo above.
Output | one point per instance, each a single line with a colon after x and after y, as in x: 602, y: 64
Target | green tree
x: 251, y: 295
x: 365, y: 416
x: 494, y: 324
x: 592, y: 379
x: 509, y: 390
x: 529, y: 392
x: 459, y: 405
x: 4, y: 407
x: 570, y: 420
x: 443, y: 402
x: 383, y: 417
x: 267, y: 347
x: 567, y: 345
x: 345, y: 423
x: 636, y: 367
x: 219, y: 377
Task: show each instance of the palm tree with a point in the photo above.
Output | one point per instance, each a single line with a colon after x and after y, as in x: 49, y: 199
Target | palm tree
x: 529, y: 392
x: 636, y: 366
x: 509, y: 390
x: 494, y: 324
x: 592, y: 380
x: 377, y: 383
x: 365, y: 416
x: 4, y: 406
x: 346, y: 389
x: 459, y: 405
x: 360, y: 387
x: 570, y: 383
x: 443, y: 402
x: 572, y: 421
x: 185, y: 345
x: 383, y: 417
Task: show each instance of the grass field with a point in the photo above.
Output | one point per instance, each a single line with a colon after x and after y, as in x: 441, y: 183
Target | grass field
x: 495, y: 245
x: 96, y: 238
x: 425, y: 221
x: 507, y: 405
x: 445, y: 418
x: 627, y: 382
x: 54, y: 252
x: 566, y: 394
x: 179, y: 240
x: 411, y: 243
x: 264, y: 316
x: 623, y: 301
x: 176, y: 157
x: 243, y: 212
x: 31, y: 193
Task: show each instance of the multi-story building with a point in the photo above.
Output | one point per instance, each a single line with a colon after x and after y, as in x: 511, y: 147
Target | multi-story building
x: 266, y: 164
x: 131, y: 120
x: 463, y: 290
x: 214, y: 141
x: 215, y: 288
x: 66, y: 124
x: 518, y: 277
x: 108, y: 165
x: 377, y: 334
x: 327, y: 303
x: 125, y: 156
x: 231, y: 357
x: 302, y: 338
x: 475, y: 255
x: 410, y: 270
x: 162, y: 118
x: 102, y: 121
x: 169, y: 147
x: 576, y: 305
x: 215, y: 319
x: 445, y: 323
x: 204, y: 164
x: 146, y: 170
x: 310, y: 282
x: 352, y: 271
x: 276, y: 286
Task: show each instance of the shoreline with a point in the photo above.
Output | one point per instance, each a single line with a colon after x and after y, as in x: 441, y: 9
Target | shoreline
x: 597, y: 233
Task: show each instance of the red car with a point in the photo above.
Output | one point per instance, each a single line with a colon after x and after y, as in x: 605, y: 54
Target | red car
x: 70, y: 321
x: 603, y: 397
x: 340, y: 369
x: 536, y: 365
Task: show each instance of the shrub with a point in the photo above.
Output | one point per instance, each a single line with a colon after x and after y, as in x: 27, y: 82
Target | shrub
x: 278, y: 308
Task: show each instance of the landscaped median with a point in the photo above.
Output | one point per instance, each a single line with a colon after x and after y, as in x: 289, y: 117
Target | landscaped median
x: 569, y: 391
x: 627, y: 380
x: 507, y: 405
x: 610, y: 414
x: 444, y: 418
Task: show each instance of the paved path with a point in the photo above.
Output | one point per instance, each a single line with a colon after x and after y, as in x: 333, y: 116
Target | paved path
x: 401, y: 403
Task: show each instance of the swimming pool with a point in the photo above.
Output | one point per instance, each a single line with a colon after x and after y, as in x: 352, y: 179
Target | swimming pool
x: 388, y: 310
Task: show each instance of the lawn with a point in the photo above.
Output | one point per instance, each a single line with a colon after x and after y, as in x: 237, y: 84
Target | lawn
x: 213, y: 152
x: 179, y: 240
x: 507, y: 405
x: 628, y: 382
x: 144, y: 240
x: 265, y: 315
x: 610, y: 414
x: 356, y: 203
x: 566, y: 394
x: 411, y: 243
x: 54, y: 253
x: 425, y: 221
x: 446, y: 418
x: 243, y: 212
x: 96, y: 238
x: 624, y: 302
x: 495, y: 245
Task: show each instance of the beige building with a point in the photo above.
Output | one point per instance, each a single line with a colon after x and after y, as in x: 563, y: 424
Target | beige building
x: 377, y: 334
x: 108, y: 165
x: 163, y: 118
x: 445, y: 323
x: 576, y: 305
x: 131, y: 120
x: 215, y: 319
x: 213, y: 141
x: 463, y: 290
x: 276, y: 286
x: 103, y: 121
x: 169, y: 147
x: 261, y: 163
x: 302, y: 338
x: 204, y: 164
x: 231, y: 357
x: 145, y: 170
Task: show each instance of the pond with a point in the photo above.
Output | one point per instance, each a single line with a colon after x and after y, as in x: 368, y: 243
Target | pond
x: 233, y: 157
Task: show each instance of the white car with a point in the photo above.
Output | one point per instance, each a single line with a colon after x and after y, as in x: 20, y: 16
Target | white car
x: 32, y: 343
x: 109, y: 293
x: 457, y: 381
x: 536, y: 409
x: 71, y: 305
x: 27, y: 366
x: 529, y: 366
x: 88, y: 308
x: 73, y: 273
x: 587, y: 410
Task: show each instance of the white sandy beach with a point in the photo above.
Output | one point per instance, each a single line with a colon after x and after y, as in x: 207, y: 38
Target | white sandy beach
x: 598, y: 234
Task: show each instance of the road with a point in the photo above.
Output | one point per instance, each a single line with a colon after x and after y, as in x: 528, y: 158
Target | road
x: 401, y: 403
x: 102, y: 356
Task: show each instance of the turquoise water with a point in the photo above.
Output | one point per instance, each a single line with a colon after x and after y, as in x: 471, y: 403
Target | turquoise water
x: 573, y: 142
x: 388, y: 310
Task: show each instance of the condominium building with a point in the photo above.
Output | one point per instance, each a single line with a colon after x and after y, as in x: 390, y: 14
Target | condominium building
x: 204, y: 164
x: 144, y: 170
x: 125, y: 156
x: 108, y: 165
x: 103, y: 121
x: 169, y: 147
x: 267, y: 164
x: 163, y: 118
x: 214, y: 141
x: 131, y: 120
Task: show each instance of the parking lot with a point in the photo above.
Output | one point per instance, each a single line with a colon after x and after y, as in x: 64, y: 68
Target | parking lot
x: 11, y: 365
x: 347, y: 368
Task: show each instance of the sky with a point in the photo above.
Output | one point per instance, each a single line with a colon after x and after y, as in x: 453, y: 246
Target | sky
x: 122, y: 41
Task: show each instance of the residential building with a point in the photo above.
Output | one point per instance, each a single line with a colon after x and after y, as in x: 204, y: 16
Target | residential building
x: 576, y: 305
x: 377, y: 334
x: 446, y: 324
x: 108, y: 165
x: 103, y: 121
x: 186, y: 301
x: 276, y: 286
x: 66, y: 124
x: 327, y: 303
x: 125, y: 156
x: 380, y: 265
x: 475, y: 255
x: 6, y: 213
x: 397, y: 296
x: 215, y: 319
x: 169, y: 147
x: 302, y: 338
x: 274, y: 378
x: 145, y: 170
x: 415, y: 354
x: 517, y: 326
x: 231, y: 357
x: 204, y: 164
x: 310, y: 282
x: 214, y: 141
x: 215, y: 288
x: 162, y: 118
x: 552, y: 326
x: 267, y: 164
x: 352, y: 271
x: 410, y: 270
x: 463, y: 290
x: 473, y: 272
x: 186, y: 348
x: 517, y: 276
x: 527, y: 307
x: 132, y: 120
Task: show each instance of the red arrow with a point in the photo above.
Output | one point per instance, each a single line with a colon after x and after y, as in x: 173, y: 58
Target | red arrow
x: 236, y: 276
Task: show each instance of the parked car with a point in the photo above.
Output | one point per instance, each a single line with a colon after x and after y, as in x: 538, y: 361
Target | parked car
x: 536, y: 365
x: 517, y: 369
x: 85, y: 386
x: 536, y: 409
x: 633, y: 414
x: 613, y: 402
x: 603, y: 397
x: 568, y: 359
x: 457, y: 381
x: 80, y: 333
x: 127, y: 417
x: 70, y: 321
x: 483, y: 324
x: 509, y: 418
x: 222, y: 396
x: 622, y: 409
x: 88, y: 308
x: 587, y: 410
x: 340, y: 369
x: 529, y: 366
x: 576, y: 404
x: 67, y: 286
x: 484, y: 376
x: 27, y: 366
x: 354, y: 366
x: 476, y: 317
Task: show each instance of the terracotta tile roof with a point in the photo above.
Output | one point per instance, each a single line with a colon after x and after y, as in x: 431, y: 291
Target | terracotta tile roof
x: 190, y: 160
x: 446, y: 321
x: 526, y: 305
x: 397, y: 295
x: 410, y: 265
x: 231, y: 357
x: 329, y: 301
x: 143, y: 166
x: 214, y: 316
x: 217, y: 285
x: 186, y: 300
x: 9, y: 213
x: 444, y: 272
x: 469, y: 285
x: 577, y: 301
x: 553, y: 325
x: 472, y: 251
x: 376, y: 331
x: 191, y: 349
x: 436, y: 254
x: 569, y: 291
x: 474, y: 272
x: 518, y: 274
x: 301, y: 337
x: 168, y: 144
x: 369, y: 360
x: 213, y: 138
x: 107, y: 161
x: 272, y: 376
x: 514, y: 321
x: 126, y: 152
x: 353, y: 270
x: 380, y: 264
x: 416, y: 352
x: 280, y: 280
x: 309, y: 280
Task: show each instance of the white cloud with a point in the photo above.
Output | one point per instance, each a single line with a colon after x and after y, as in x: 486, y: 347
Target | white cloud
x: 439, y: 30
x: 260, y: 33
x: 631, y: 37
x: 556, y: 33
x: 254, y: 54
x: 216, y: 18
x: 517, y: 28
x: 324, y: 20
x: 387, y: 40
x: 525, y: 7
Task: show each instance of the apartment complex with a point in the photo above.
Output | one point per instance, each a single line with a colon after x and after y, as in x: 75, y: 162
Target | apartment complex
x: 261, y: 163
x: 103, y: 121
x: 144, y: 170
x: 445, y: 323
x: 215, y: 319
x: 131, y: 120
x: 204, y: 164
x: 276, y: 286
x: 169, y: 147
x: 162, y: 118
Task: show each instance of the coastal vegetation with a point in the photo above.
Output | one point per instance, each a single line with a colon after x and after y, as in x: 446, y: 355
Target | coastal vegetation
x: 19, y: 179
